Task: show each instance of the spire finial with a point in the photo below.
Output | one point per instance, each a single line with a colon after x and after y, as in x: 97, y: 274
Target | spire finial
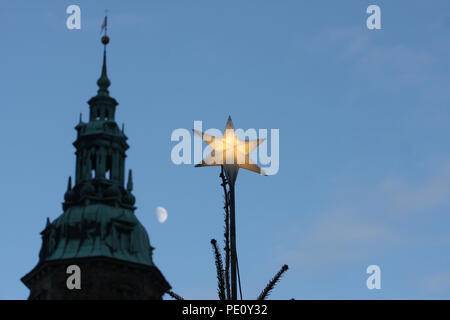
x: 69, y: 184
x: 130, y: 181
x: 103, y: 83
x: 105, y: 38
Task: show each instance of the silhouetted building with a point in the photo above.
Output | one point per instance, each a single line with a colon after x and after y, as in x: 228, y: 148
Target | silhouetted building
x: 98, y: 230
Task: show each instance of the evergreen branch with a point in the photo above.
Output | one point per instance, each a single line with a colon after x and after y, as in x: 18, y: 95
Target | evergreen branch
x: 174, y: 295
x: 219, y: 267
x: 265, y: 293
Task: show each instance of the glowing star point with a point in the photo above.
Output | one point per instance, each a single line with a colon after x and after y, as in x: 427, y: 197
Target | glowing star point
x: 230, y: 152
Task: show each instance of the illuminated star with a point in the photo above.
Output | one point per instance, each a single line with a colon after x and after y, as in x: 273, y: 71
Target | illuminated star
x: 230, y: 152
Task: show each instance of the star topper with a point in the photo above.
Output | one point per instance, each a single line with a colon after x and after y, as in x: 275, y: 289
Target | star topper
x: 230, y: 152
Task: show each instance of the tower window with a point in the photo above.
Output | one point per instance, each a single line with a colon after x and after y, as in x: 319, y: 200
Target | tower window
x: 109, y: 167
x: 93, y: 165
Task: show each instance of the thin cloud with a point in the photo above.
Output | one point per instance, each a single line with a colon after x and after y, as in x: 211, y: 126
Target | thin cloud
x: 337, y: 238
x: 370, y: 222
x: 436, y: 283
x: 396, y: 63
x: 402, y: 198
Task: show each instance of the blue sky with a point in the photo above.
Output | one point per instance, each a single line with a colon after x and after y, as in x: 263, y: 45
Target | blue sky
x: 364, y: 124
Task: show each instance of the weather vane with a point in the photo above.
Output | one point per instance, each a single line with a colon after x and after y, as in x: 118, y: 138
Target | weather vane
x: 104, y: 28
x: 231, y: 154
x: 105, y: 23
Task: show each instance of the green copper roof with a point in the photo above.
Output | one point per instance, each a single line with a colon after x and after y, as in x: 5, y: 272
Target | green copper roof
x: 98, y: 218
x: 96, y: 230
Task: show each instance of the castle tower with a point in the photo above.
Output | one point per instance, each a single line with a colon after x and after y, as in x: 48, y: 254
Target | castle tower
x: 98, y: 230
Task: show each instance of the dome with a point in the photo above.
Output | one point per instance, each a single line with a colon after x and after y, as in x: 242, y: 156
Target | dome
x: 129, y: 198
x: 87, y: 189
x: 70, y: 196
x: 112, y: 191
x: 97, y: 230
